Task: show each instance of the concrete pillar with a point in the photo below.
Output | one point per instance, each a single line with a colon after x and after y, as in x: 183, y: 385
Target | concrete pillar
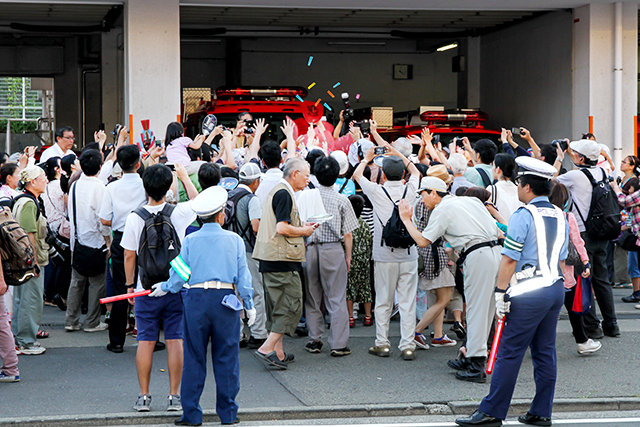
x: 593, y: 75
x: 152, y: 63
x: 112, y: 67
x: 473, y: 72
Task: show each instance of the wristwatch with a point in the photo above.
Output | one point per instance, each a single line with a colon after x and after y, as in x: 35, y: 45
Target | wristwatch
x: 130, y: 286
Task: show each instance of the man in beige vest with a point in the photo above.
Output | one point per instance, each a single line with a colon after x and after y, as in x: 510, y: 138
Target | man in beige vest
x: 281, y: 251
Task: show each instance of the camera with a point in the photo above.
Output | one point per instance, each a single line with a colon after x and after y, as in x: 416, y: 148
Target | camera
x: 516, y: 131
x: 379, y: 151
x: 365, y: 127
x: 563, y: 144
x: 250, y: 124
x: 348, y: 114
x: 56, y: 246
x: 116, y: 131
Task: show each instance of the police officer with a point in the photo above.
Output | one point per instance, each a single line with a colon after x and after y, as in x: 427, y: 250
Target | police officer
x: 211, y: 307
x: 535, y: 249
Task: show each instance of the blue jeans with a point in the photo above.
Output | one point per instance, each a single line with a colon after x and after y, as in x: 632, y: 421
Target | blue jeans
x: 632, y: 265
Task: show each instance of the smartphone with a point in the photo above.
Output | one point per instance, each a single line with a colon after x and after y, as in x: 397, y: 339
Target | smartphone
x: 159, y: 143
x: 379, y: 150
x: 101, y: 126
x: 171, y: 166
x: 516, y: 131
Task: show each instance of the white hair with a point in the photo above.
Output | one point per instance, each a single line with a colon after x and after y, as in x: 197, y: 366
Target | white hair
x: 458, y: 163
x: 294, y: 164
x: 403, y: 145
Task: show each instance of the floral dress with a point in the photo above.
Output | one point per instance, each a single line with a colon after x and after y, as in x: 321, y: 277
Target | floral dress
x: 359, y: 279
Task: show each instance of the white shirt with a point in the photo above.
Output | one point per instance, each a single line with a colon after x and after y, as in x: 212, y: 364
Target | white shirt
x: 116, y: 208
x: 382, y: 210
x: 270, y: 179
x: 105, y: 171
x: 88, y: 191
x: 507, y: 200
x: 580, y: 187
x: 181, y: 218
x: 53, y: 151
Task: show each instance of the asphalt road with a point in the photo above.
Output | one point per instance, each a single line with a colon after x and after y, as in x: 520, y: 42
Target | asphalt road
x: 77, y: 376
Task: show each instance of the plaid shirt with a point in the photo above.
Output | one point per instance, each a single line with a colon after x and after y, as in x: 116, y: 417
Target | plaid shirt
x: 421, y: 219
x: 344, y: 220
x: 632, y: 204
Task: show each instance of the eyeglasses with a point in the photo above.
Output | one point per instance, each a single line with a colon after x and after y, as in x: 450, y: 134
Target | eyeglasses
x: 70, y: 138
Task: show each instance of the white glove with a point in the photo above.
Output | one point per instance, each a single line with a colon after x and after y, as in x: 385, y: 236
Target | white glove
x: 251, y: 316
x: 503, y: 305
x: 157, y: 291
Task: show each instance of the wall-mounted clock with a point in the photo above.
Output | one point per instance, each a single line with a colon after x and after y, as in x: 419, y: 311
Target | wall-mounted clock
x: 402, y: 71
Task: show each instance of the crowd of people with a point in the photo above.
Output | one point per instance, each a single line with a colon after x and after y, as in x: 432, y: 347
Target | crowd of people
x: 317, y: 228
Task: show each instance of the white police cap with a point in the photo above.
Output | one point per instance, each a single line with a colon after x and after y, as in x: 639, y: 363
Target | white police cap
x: 531, y: 166
x: 210, y: 201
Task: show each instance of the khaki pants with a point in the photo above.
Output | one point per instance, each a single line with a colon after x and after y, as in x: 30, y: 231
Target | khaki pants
x: 97, y: 290
x: 27, y: 310
x: 259, y: 329
x: 400, y: 277
x: 283, y: 298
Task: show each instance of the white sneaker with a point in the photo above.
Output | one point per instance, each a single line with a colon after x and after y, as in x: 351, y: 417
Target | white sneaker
x: 101, y: 327
x: 173, y: 403
x: 637, y: 306
x: 32, y: 349
x: 72, y: 328
x: 590, y: 346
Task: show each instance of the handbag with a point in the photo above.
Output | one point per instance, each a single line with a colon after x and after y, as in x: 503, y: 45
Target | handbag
x: 573, y: 258
x: 582, y: 297
x: 87, y: 261
x: 627, y: 241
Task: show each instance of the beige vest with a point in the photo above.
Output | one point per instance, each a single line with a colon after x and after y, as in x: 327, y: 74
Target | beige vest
x: 42, y: 247
x: 271, y: 246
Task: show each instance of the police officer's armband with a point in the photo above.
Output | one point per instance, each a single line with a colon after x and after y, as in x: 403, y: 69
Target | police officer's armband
x: 510, y: 243
x: 181, y: 267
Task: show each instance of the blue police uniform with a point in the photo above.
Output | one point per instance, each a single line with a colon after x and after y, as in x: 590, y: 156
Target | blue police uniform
x: 533, y: 317
x: 211, y: 255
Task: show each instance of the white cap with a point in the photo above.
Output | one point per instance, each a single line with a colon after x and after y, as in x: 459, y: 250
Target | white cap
x: 249, y: 172
x: 531, y: 166
x: 210, y: 201
x: 342, y: 159
x: 432, y: 183
x: 360, y: 146
x: 403, y: 145
x: 587, y: 147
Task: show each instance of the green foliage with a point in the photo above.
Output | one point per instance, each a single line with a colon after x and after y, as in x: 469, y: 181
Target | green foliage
x: 11, y: 97
x: 18, y: 127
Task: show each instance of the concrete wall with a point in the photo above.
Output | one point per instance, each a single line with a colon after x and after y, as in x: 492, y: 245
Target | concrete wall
x: 366, y: 70
x: 525, y: 77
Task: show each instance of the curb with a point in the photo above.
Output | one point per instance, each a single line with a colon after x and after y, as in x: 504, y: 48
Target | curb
x: 518, y: 406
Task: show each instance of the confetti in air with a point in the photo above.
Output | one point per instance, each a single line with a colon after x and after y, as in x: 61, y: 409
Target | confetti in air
x: 330, y: 94
x: 325, y: 104
x: 299, y: 99
x: 311, y: 85
x: 358, y: 96
x: 310, y: 61
x: 336, y: 85
x: 318, y: 102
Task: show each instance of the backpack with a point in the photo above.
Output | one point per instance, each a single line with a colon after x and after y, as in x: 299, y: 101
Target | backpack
x: 158, y: 246
x: 231, y: 222
x: 603, y: 222
x: 485, y: 177
x: 394, y: 233
x: 17, y: 252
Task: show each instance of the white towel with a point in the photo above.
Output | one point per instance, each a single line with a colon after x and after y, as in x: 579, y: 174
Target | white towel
x: 309, y: 203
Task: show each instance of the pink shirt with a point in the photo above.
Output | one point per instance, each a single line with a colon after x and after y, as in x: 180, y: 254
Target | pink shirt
x: 576, y: 239
x: 176, y: 151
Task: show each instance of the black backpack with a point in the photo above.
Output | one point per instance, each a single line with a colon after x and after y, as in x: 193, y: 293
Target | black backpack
x: 231, y: 222
x: 485, y: 177
x: 394, y: 233
x: 603, y: 222
x: 159, y: 245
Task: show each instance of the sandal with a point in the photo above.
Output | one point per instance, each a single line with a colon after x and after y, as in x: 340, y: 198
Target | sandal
x: 367, y: 321
x: 42, y: 334
x: 352, y: 322
x: 288, y: 357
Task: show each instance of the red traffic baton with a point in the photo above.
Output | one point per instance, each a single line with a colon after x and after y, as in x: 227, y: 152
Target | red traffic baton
x: 124, y: 296
x: 495, y: 345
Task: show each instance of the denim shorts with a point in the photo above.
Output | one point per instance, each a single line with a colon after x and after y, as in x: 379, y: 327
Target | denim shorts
x: 149, y: 312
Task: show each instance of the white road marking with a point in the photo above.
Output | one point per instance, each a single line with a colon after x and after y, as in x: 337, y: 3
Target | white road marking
x: 581, y: 421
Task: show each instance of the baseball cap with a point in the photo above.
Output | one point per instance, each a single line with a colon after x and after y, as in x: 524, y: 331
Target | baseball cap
x: 432, y: 183
x: 342, y: 159
x: 249, y: 171
x: 588, y: 148
x: 393, y: 168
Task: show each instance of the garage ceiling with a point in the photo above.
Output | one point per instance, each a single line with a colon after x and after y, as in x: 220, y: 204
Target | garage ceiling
x: 52, y: 14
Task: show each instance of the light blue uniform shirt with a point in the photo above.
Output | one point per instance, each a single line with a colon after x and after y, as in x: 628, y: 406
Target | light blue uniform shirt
x: 214, y: 254
x: 521, y: 243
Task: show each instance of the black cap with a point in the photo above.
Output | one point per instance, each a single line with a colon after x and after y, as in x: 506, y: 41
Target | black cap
x: 393, y: 168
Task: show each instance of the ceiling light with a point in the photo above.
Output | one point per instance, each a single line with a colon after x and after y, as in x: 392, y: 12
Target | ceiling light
x: 447, y: 47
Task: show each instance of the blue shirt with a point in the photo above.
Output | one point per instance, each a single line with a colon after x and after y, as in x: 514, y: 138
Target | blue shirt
x: 349, y: 189
x: 521, y: 243
x: 214, y: 254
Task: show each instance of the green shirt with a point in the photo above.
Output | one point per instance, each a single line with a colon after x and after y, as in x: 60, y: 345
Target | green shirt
x: 27, y: 218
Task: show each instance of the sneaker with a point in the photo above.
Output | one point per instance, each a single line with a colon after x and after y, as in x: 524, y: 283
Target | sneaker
x: 134, y: 333
x: 395, y: 311
x: 313, y: 346
x: 18, y: 350
x: 368, y: 321
x: 590, y: 346
x: 107, y: 317
x: 460, y: 331
x: 128, y: 330
x: 72, y: 328
x: 380, y: 350
x: 634, y: 297
x: 173, y: 403
x: 443, y: 341
x: 4, y: 378
x: 32, y: 349
x: 339, y: 352
x: 143, y: 403
x: 352, y: 322
x: 100, y: 327
x: 637, y: 306
x: 408, y: 354
x: 420, y: 341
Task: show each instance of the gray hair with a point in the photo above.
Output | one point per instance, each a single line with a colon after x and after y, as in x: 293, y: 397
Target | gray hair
x: 294, y: 164
x: 457, y: 162
x: 404, y: 147
x: 246, y: 181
